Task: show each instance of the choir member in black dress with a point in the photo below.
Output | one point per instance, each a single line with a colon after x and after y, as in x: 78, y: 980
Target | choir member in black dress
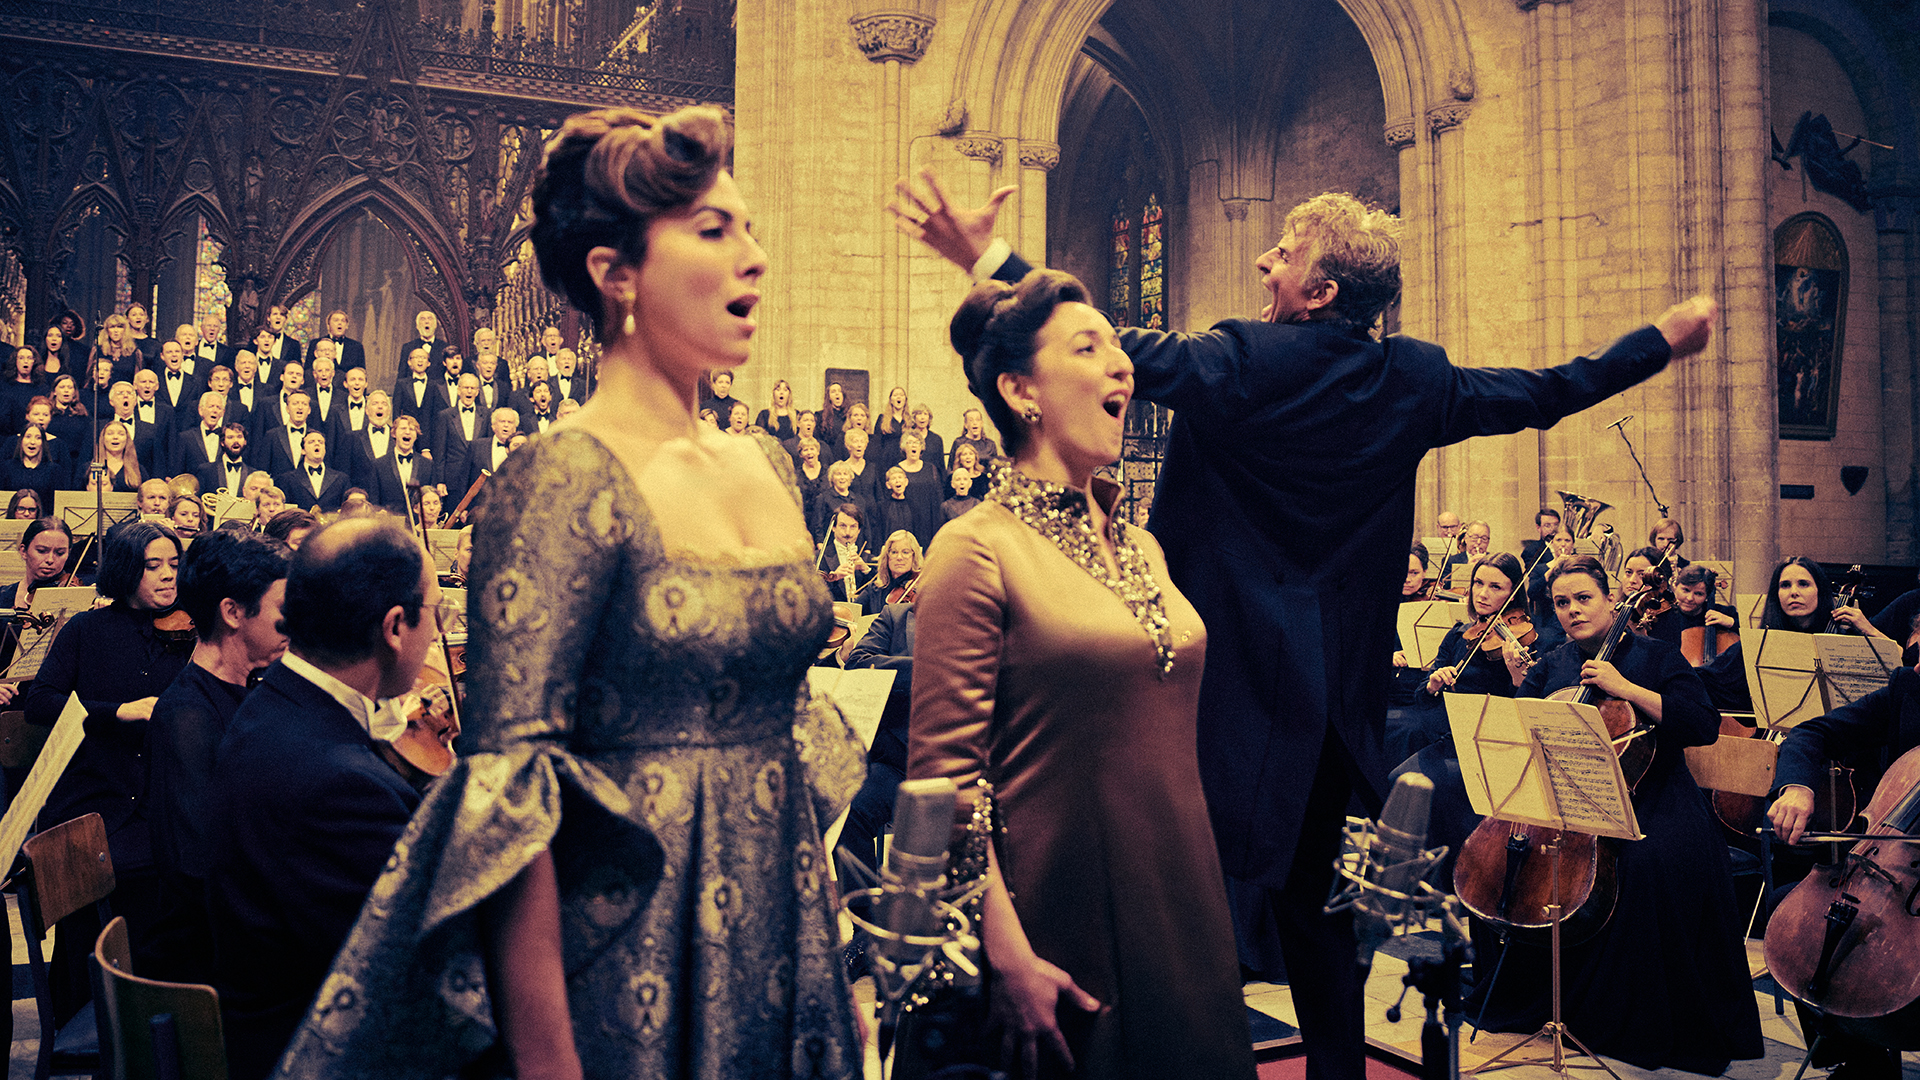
x: 779, y: 419
x: 832, y: 420
x: 865, y: 473
x: 233, y: 584
x: 893, y: 421
x: 60, y: 353
x: 31, y: 467
x: 932, y: 447
x: 24, y: 384
x: 810, y: 472
x: 114, y: 451
x: 893, y: 511
x: 926, y: 486
x: 118, y: 663
x: 1664, y: 984
x: 116, y: 345
x: 963, y: 485
x: 145, y: 344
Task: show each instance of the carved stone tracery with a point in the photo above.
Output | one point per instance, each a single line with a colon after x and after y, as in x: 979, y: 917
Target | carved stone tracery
x: 892, y: 35
x: 1039, y: 155
x: 980, y: 147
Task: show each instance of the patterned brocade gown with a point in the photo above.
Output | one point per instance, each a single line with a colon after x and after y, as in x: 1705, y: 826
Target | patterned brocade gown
x: 645, y: 714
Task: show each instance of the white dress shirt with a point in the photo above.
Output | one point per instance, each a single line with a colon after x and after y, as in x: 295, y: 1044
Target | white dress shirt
x: 380, y: 719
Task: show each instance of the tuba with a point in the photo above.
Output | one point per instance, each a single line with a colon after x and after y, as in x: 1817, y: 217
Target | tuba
x: 1579, y: 518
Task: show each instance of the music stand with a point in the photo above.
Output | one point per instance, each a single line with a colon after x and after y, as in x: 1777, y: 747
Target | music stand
x: 1424, y: 625
x: 1853, y: 666
x: 1783, y: 678
x: 1546, y: 763
x: 81, y: 510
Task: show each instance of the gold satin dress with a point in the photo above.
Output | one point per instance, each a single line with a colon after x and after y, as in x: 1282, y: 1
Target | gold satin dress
x: 1032, y: 673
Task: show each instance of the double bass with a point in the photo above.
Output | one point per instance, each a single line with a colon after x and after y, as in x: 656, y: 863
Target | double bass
x: 1497, y: 876
x: 1847, y: 939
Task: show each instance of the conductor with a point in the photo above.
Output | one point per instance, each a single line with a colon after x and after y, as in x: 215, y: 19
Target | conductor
x: 1284, y: 506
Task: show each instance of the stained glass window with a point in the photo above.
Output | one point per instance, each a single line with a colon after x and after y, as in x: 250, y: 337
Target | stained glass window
x: 1120, y: 275
x: 210, y: 293
x: 1153, y: 312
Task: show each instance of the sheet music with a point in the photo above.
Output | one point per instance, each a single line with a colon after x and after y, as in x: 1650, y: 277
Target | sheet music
x: 13, y: 564
x: 62, y: 604
x: 861, y: 695
x: 1424, y: 625
x: 442, y: 544
x: 1782, y: 676
x: 60, y: 747
x: 1851, y: 666
x: 1583, y: 771
x: 76, y: 509
x: 230, y: 508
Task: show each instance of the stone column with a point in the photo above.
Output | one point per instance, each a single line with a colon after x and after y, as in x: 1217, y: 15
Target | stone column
x: 895, y: 40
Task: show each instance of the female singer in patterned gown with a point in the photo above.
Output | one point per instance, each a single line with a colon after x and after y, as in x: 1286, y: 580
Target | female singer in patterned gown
x: 626, y: 878
x: 1057, y: 662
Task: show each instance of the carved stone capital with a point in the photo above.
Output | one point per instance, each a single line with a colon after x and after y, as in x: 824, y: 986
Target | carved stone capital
x: 1039, y: 155
x: 1236, y: 208
x: 980, y: 147
x: 1400, y: 134
x: 892, y: 35
x: 1447, y: 117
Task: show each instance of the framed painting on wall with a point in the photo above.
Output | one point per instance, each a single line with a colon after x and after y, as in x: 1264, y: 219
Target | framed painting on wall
x: 1810, y: 313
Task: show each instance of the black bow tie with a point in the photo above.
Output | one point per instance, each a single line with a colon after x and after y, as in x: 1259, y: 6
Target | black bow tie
x: 317, y: 470
x: 403, y: 458
x: 468, y: 409
x: 235, y: 464
x: 378, y: 430
x: 355, y: 404
x: 173, y: 374
x: 419, y: 380
x: 501, y: 445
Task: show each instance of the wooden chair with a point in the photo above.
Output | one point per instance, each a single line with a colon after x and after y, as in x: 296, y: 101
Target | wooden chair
x: 67, y: 868
x: 20, y: 742
x: 154, y: 1030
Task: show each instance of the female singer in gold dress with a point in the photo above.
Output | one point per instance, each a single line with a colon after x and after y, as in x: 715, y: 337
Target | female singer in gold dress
x: 626, y: 877
x: 1057, y: 662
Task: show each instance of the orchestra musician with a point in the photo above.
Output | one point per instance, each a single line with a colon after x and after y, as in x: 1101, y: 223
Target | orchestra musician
x: 44, y: 547
x: 119, y: 662
x: 1872, y: 732
x: 233, y: 584
x: 1799, y: 598
x: 1651, y: 569
x: 1664, y: 984
x: 841, y: 561
x: 1693, y: 590
x: 1468, y: 661
x: 898, y: 577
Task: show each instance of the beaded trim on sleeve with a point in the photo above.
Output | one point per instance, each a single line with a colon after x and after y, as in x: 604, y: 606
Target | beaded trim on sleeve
x: 1060, y: 514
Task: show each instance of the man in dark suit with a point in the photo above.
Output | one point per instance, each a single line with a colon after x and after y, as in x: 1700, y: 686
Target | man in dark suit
x: 156, y: 418
x: 841, y: 560
x: 350, y: 418
x: 417, y: 392
x: 537, y: 414
x: 199, y: 446
x: 282, y: 446
x: 347, y: 353
x: 485, y: 454
x: 372, y: 442
x: 428, y: 328
x: 175, y: 386
x: 248, y: 393
x: 495, y: 388
x: 211, y: 351
x: 455, y: 429
x: 234, y: 464
x: 283, y: 348
x: 537, y: 374
x: 324, y: 390
x: 567, y: 382
x: 1269, y: 547
x: 293, y: 378
x: 313, y: 486
x: 403, y: 467
x: 306, y: 811
x: 887, y: 646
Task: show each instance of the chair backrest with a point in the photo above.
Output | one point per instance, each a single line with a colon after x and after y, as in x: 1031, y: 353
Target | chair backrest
x: 70, y: 867
x: 20, y: 742
x: 131, y: 1003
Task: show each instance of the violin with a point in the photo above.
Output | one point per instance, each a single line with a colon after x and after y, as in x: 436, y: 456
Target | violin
x: 1649, y: 610
x: 175, y: 631
x: 1848, y: 596
x: 905, y: 592
x: 1512, y: 629
x: 1847, y: 939
x: 424, y: 751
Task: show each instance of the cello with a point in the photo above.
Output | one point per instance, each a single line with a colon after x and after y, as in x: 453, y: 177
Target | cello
x: 1847, y: 939
x: 1498, y: 879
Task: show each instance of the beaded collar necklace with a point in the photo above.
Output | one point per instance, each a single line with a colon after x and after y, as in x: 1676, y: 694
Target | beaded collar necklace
x: 1060, y: 515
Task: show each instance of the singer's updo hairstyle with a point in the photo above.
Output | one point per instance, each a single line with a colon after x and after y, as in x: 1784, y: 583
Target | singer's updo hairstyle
x: 606, y: 176
x: 996, y: 331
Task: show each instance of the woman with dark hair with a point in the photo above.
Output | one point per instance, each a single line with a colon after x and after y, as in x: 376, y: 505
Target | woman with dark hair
x: 926, y: 486
x: 1800, y: 599
x: 24, y: 384
x: 147, y: 346
x: 1057, y: 679
x: 778, y: 420
x: 30, y: 467
x: 118, y: 664
x: 44, y: 548
x: 1470, y: 659
x: 886, y: 433
x: 1650, y: 570
x: 1407, y: 681
x: 1664, y: 984
x: 25, y: 505
x: 832, y: 421
x: 641, y: 887
x: 59, y: 351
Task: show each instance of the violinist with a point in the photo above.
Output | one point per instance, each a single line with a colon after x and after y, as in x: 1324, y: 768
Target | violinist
x: 118, y: 662
x: 1545, y: 622
x: 1407, y: 681
x: 44, y: 548
x: 1471, y: 659
x: 900, y: 560
x: 1644, y: 571
x: 1873, y: 732
x: 1664, y: 984
x: 233, y: 584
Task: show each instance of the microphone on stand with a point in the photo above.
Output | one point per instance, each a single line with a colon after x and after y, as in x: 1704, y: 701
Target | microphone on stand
x: 1386, y: 867
x: 1620, y: 422
x: 915, y: 870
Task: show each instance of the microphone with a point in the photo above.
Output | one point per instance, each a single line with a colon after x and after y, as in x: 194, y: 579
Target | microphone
x: 1394, y: 864
x: 1620, y: 422
x: 911, y: 879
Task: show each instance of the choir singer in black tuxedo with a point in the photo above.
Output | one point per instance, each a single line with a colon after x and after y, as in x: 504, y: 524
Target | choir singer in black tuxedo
x: 1284, y: 506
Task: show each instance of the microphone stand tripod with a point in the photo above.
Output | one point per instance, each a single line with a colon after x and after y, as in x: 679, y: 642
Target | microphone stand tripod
x: 1438, y: 980
x: 1621, y: 427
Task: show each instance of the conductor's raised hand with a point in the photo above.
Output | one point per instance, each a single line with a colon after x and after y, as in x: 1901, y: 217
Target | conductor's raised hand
x: 1688, y: 325
x: 926, y: 214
